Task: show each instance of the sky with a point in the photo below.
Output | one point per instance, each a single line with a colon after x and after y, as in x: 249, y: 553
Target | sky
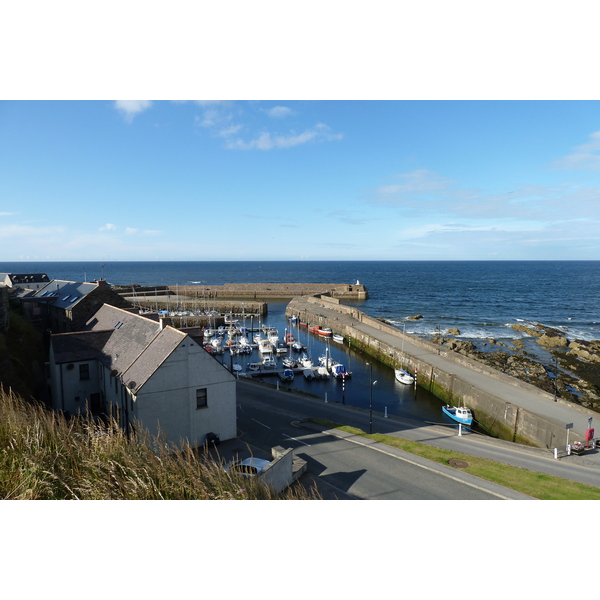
x: 439, y: 131
x: 295, y: 180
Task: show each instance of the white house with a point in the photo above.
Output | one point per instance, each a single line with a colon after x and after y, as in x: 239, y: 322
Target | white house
x: 131, y: 367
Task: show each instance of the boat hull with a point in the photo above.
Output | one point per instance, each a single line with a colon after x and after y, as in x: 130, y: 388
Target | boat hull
x: 403, y: 377
x: 455, y: 415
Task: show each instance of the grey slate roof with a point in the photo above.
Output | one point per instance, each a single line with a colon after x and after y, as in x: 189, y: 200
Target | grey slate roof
x: 64, y: 294
x: 152, y: 357
x: 131, y: 334
x: 74, y: 347
x: 25, y: 278
x: 122, y: 341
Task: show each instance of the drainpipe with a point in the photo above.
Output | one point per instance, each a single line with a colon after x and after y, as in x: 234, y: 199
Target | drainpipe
x: 62, y: 391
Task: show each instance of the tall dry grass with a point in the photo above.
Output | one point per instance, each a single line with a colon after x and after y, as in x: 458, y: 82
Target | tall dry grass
x: 45, y: 457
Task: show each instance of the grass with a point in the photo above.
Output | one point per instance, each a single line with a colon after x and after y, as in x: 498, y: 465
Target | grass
x: 537, y: 485
x: 45, y: 457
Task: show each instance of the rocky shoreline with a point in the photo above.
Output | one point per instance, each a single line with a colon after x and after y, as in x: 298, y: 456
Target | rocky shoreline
x: 573, y: 374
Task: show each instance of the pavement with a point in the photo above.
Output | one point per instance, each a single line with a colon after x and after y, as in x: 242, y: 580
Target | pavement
x: 501, y: 386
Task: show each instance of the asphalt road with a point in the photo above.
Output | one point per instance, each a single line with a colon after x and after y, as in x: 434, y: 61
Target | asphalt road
x: 343, y: 466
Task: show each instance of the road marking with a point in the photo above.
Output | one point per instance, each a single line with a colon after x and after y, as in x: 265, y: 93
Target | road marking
x: 295, y: 439
x: 359, y: 442
x: 261, y: 423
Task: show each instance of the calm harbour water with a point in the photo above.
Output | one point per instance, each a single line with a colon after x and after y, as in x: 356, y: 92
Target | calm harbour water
x: 481, y: 298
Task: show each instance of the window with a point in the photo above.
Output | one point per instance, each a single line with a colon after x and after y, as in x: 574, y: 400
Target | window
x: 201, y: 398
x: 84, y: 372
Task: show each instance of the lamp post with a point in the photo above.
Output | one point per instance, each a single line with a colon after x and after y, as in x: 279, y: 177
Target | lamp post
x: 371, y: 384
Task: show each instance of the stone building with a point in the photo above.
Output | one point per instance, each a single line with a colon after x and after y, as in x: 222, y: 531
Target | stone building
x: 140, y: 372
x: 63, y: 306
x: 26, y: 281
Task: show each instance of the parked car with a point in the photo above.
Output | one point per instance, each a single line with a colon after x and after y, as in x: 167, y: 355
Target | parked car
x: 248, y: 466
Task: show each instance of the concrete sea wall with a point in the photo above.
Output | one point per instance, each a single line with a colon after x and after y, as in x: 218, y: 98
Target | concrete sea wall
x: 499, y: 417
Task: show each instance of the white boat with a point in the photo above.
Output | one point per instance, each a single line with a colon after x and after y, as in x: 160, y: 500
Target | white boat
x: 336, y: 337
x: 255, y: 366
x: 322, y: 372
x: 289, y: 362
x: 403, y: 377
x: 308, y: 374
x: 237, y: 367
x: 339, y: 371
x: 326, y: 361
x: 265, y: 347
x: 269, y: 362
x: 297, y: 346
x: 280, y: 347
x: 286, y: 375
x: 461, y: 414
x: 305, y: 361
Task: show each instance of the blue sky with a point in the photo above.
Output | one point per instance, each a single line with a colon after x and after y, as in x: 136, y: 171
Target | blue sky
x: 317, y: 180
x: 429, y: 130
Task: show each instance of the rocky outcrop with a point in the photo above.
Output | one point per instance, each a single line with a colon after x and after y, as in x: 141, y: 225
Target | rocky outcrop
x: 453, y: 331
x: 464, y: 347
x: 415, y: 317
x: 579, y: 362
x: 533, y: 332
x: 553, y: 341
x: 588, y: 351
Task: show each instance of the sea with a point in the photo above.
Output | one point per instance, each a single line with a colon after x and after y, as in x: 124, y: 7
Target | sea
x: 480, y: 298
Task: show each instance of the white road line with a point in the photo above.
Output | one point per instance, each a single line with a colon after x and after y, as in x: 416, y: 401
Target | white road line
x: 295, y: 439
x: 261, y: 423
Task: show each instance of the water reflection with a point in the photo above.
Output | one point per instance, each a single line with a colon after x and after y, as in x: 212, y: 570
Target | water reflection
x: 388, y: 394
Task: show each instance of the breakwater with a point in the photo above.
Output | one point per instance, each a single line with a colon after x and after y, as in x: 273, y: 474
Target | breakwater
x: 504, y: 406
x: 266, y: 291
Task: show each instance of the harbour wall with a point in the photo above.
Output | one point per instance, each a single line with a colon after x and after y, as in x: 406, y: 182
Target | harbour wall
x: 265, y: 291
x: 183, y: 303
x: 496, y: 415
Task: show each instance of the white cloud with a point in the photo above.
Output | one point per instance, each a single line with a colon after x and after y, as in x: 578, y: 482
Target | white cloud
x: 267, y: 141
x: 279, y: 112
x: 416, y: 182
x: 7, y: 214
x: 586, y: 156
x: 131, y: 230
x: 108, y: 227
x: 130, y: 108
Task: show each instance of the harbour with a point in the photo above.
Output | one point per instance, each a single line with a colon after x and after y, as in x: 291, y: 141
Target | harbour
x: 483, y: 298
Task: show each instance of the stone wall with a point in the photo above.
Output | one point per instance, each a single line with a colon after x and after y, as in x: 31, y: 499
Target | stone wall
x: 500, y: 418
x: 273, y: 290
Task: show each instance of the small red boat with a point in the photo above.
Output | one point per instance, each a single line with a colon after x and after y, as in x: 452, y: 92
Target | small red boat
x: 322, y: 331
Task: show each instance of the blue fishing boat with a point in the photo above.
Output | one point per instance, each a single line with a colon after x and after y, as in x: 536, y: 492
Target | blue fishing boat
x: 461, y: 414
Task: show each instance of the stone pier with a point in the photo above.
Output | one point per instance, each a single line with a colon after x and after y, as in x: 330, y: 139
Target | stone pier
x: 506, y: 407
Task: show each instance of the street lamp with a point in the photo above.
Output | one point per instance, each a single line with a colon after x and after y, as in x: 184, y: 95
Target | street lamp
x: 371, y: 384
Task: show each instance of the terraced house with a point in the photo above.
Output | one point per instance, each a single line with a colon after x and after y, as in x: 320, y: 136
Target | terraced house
x: 143, y: 374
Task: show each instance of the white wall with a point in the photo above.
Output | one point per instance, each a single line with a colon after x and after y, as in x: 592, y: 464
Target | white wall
x: 67, y: 386
x: 168, y: 399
